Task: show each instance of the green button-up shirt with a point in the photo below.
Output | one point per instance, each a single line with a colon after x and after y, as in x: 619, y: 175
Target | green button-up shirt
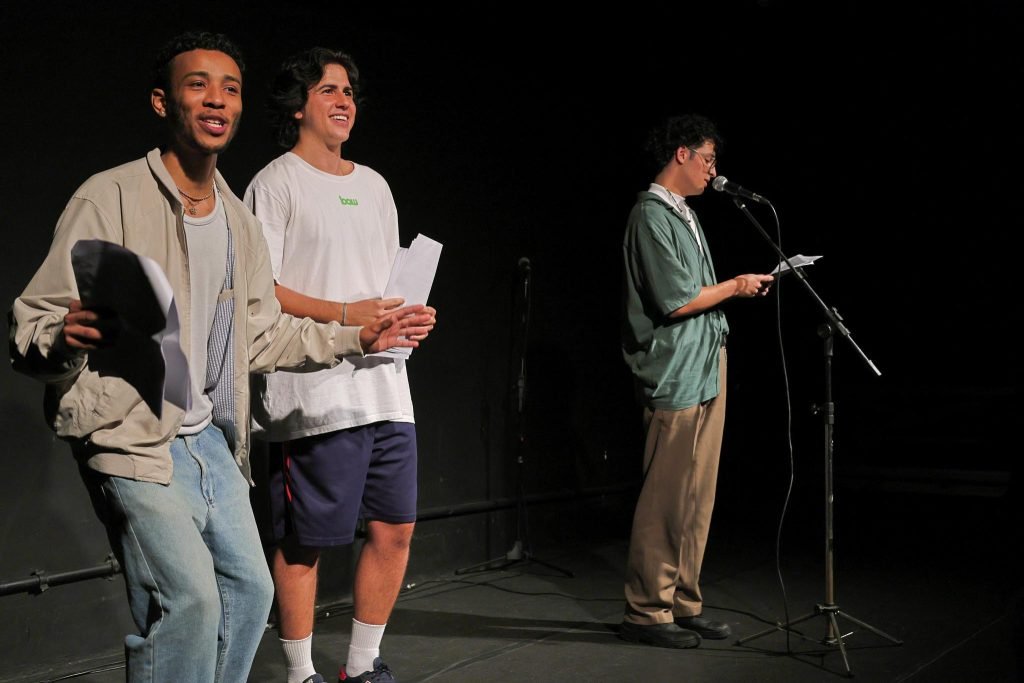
x: 674, y: 360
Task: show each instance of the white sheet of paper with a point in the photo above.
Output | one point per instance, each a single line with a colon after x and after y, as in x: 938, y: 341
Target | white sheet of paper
x: 177, y: 379
x: 147, y: 353
x: 798, y: 261
x: 412, y: 275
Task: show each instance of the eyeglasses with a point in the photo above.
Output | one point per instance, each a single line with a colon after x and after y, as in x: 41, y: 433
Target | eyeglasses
x: 709, y: 160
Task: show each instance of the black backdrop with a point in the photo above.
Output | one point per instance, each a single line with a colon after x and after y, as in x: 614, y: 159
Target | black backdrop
x: 887, y: 143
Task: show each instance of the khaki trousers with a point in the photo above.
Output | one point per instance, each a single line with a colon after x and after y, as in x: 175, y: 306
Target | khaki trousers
x: 673, y: 513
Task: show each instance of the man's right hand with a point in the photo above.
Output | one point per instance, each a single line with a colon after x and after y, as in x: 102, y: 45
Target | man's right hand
x: 752, y: 285
x: 87, y: 330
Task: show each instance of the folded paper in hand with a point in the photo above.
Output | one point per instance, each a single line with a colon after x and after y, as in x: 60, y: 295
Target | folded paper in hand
x: 798, y: 261
x: 412, y: 275
x: 146, y: 349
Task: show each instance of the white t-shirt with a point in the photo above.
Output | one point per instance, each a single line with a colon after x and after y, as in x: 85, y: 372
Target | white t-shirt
x: 207, y: 240
x: 330, y: 237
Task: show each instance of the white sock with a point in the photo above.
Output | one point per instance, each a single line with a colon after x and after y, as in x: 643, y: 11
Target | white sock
x: 364, y: 647
x: 299, y: 655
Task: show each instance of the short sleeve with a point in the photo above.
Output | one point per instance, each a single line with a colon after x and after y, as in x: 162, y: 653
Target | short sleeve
x: 273, y: 214
x: 664, y: 262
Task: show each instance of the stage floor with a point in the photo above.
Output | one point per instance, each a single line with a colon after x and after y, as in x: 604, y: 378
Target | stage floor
x: 933, y: 571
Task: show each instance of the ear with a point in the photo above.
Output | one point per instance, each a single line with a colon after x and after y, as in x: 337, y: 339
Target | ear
x: 158, y: 100
x: 298, y: 115
x: 682, y: 154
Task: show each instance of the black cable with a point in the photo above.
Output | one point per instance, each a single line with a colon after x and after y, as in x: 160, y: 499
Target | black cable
x: 789, y: 436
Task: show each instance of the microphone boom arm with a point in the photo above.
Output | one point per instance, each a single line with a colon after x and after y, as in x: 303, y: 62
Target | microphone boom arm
x: 830, y: 312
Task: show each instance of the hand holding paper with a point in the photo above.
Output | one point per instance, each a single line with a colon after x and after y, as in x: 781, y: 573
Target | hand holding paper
x: 412, y: 275
x: 798, y: 261
x: 134, y: 293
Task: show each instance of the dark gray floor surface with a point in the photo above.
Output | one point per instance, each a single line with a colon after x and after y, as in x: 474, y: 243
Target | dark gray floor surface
x: 936, y: 572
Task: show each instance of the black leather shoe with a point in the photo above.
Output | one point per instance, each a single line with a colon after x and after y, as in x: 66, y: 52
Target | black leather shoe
x: 659, y: 635
x: 712, y: 630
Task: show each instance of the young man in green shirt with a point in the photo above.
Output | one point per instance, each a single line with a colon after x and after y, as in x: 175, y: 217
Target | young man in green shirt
x: 674, y: 343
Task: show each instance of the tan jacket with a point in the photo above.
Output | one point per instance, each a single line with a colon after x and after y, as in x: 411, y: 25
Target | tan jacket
x: 108, y: 424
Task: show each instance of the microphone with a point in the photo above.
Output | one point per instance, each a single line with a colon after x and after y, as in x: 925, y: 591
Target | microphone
x: 524, y: 264
x: 723, y: 184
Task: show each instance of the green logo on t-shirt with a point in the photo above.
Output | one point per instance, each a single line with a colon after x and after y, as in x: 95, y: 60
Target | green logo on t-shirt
x: 349, y: 202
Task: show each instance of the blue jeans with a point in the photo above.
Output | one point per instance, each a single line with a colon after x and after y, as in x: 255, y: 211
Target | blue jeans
x: 198, y: 583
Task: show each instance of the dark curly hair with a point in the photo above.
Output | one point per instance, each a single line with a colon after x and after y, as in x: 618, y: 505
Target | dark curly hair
x: 689, y: 130
x: 186, y: 42
x: 291, y: 85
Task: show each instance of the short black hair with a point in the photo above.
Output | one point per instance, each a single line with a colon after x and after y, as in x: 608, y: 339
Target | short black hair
x: 688, y: 130
x: 186, y: 42
x: 290, y: 89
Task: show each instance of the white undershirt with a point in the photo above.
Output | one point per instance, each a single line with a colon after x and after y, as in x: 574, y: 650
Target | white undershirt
x: 678, y: 203
x: 207, y: 240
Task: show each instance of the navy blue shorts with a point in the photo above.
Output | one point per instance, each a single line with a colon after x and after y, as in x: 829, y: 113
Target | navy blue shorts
x: 321, y: 485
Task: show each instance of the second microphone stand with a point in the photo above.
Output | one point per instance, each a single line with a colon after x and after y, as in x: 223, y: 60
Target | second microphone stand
x: 521, y: 550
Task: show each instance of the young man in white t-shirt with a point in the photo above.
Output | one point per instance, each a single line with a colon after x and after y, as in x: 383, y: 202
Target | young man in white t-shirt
x: 343, y: 442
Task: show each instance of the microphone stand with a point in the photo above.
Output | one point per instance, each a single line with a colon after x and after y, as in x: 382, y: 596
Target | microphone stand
x: 828, y: 608
x: 520, y: 550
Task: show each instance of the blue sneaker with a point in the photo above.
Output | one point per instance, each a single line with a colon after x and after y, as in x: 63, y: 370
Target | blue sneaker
x: 380, y: 674
x: 315, y: 678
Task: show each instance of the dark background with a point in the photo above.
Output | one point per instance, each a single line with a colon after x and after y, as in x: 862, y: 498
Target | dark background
x: 888, y: 143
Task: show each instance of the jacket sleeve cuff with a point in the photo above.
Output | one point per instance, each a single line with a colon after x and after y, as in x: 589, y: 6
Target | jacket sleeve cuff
x: 346, y: 341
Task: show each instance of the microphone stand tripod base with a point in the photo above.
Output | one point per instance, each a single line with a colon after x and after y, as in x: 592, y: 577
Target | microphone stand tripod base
x: 515, y: 555
x: 833, y: 636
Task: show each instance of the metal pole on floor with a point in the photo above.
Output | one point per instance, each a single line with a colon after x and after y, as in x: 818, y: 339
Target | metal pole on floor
x: 829, y: 608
